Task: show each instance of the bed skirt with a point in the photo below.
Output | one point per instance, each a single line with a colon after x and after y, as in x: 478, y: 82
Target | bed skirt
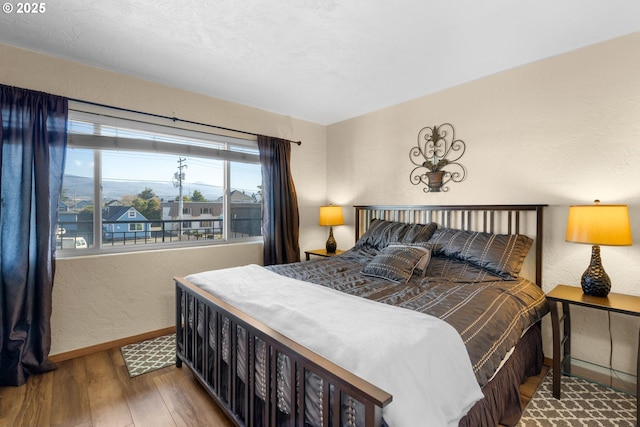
x: 501, y: 403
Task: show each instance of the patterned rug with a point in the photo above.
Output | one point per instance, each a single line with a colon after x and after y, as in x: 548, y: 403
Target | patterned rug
x: 582, y: 404
x: 149, y: 355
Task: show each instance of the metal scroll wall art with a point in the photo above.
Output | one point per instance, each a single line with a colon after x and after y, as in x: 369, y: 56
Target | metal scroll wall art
x: 436, y: 158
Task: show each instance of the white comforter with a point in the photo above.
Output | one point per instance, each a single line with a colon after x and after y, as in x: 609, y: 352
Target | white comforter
x: 419, y: 359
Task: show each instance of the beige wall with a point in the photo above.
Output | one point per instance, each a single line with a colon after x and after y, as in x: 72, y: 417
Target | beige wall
x: 105, y: 298
x: 561, y: 131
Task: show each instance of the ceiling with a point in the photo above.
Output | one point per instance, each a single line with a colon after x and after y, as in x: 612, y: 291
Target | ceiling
x: 319, y: 60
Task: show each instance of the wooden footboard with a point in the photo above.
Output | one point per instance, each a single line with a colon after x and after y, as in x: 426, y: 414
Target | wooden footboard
x: 224, y: 348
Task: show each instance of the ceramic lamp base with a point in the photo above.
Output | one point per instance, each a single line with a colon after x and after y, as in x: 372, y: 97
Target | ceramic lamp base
x: 595, y: 281
x: 331, y: 242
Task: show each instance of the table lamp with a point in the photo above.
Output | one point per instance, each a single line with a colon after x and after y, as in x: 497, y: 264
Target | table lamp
x: 598, y: 225
x: 331, y: 215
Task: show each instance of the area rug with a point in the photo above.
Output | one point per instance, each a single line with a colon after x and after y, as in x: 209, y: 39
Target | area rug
x: 582, y: 404
x: 149, y: 355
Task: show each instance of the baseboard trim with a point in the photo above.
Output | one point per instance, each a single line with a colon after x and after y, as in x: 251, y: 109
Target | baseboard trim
x: 548, y: 362
x: 61, y: 357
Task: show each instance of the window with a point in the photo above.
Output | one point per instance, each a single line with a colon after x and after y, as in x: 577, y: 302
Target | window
x: 134, y: 185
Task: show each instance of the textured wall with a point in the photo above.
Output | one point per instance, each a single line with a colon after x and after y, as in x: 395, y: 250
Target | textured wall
x: 103, y: 298
x: 561, y: 131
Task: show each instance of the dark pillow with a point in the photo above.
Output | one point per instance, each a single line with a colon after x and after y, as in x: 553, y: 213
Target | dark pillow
x: 502, y: 254
x: 459, y: 271
x: 418, y: 233
x: 396, y: 262
x: 381, y: 233
x: 423, y: 264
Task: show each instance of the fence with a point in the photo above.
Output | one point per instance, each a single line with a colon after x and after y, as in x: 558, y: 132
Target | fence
x: 79, y: 234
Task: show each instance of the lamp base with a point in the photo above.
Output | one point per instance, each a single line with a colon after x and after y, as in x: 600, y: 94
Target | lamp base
x: 331, y: 242
x: 595, y: 281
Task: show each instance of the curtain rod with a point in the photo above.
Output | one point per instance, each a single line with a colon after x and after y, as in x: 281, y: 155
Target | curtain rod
x: 174, y: 119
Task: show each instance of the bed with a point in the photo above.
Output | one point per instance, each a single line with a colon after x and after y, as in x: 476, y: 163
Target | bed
x: 256, y: 338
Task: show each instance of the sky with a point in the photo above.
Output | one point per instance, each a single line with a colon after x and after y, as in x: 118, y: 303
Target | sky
x: 151, y: 167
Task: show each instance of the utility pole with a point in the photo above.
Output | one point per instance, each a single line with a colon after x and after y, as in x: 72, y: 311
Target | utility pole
x: 178, y: 179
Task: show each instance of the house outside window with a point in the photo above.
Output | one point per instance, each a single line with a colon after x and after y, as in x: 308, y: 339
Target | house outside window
x: 133, y: 185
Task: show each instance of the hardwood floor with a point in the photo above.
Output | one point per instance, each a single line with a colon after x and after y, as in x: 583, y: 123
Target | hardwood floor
x: 528, y: 389
x: 96, y: 390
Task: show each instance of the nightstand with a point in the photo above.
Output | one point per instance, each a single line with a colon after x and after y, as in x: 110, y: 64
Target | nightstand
x: 322, y: 253
x: 566, y: 296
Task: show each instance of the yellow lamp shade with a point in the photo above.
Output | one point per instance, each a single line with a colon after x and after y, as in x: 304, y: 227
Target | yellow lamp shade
x: 331, y: 215
x: 599, y: 225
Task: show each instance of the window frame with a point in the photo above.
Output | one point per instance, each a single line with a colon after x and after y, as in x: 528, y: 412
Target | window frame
x: 136, y: 226
x: 232, y: 141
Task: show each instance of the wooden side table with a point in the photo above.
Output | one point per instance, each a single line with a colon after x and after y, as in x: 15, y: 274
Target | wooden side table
x: 567, y: 295
x: 322, y: 253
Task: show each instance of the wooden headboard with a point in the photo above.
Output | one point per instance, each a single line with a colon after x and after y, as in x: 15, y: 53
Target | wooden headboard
x: 499, y: 219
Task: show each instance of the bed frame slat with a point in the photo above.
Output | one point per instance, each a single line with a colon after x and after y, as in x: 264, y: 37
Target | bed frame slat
x: 250, y: 386
x: 326, y: 404
x: 336, y: 404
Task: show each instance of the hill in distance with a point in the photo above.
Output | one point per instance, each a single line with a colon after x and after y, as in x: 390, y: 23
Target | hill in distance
x: 81, y: 188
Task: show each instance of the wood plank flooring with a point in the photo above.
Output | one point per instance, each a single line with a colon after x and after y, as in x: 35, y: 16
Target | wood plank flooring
x: 96, y: 390
x: 528, y: 389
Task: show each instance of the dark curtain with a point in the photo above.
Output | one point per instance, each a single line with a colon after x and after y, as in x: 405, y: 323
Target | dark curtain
x: 280, y: 220
x: 32, y: 153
